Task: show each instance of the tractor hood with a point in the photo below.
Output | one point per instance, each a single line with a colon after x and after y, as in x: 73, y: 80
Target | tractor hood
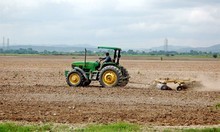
x: 83, y: 63
x: 89, y: 65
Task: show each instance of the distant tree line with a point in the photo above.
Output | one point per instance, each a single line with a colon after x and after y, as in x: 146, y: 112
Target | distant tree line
x: 19, y: 51
x: 169, y: 53
x: 45, y: 52
x: 89, y: 52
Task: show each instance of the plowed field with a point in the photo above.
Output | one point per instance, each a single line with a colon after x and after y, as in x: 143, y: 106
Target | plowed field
x: 33, y: 88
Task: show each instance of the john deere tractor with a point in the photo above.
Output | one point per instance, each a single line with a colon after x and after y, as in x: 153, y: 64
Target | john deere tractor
x: 109, y: 74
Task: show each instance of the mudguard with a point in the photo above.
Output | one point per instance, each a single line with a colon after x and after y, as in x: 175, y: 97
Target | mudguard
x: 81, y: 71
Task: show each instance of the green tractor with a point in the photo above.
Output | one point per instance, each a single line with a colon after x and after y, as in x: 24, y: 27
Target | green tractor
x: 109, y: 74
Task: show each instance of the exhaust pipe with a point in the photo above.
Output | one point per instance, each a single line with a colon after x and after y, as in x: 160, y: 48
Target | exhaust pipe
x: 85, y: 58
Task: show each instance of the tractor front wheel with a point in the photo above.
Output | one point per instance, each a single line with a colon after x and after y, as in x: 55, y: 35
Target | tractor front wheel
x: 110, y: 76
x: 74, y: 79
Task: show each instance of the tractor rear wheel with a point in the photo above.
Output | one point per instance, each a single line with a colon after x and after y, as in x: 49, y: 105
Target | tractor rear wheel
x: 74, y: 79
x: 125, y: 75
x: 110, y: 76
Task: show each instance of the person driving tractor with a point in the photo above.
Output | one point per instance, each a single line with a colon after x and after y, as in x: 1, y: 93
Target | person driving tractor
x: 107, y: 58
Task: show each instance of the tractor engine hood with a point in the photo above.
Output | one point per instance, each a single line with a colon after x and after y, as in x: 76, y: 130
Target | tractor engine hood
x: 87, y: 65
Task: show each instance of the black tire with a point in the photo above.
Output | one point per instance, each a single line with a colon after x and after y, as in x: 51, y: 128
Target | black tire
x: 79, y: 79
x: 125, y: 75
x: 179, y: 88
x: 118, y: 80
x: 86, y: 83
x: 164, y: 87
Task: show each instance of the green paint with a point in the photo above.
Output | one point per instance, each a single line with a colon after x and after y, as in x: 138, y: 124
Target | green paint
x: 113, y: 48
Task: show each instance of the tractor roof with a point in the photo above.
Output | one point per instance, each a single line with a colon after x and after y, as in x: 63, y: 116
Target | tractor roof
x: 113, y: 48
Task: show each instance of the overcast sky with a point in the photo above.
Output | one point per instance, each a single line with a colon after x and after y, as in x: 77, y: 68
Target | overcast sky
x: 121, y: 23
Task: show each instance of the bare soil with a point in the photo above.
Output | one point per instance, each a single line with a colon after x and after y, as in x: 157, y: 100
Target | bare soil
x: 33, y: 88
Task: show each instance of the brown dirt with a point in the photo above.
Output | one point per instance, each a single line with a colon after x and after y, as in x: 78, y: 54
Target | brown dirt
x: 34, y: 89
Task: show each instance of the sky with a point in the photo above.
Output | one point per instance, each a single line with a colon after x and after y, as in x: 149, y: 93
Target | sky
x: 120, y: 23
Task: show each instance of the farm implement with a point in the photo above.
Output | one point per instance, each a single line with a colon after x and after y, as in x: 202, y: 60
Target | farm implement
x: 162, y: 83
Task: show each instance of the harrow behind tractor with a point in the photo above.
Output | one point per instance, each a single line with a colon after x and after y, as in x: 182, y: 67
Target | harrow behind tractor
x: 162, y: 83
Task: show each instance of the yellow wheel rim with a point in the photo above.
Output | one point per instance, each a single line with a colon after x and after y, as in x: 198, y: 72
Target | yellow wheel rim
x: 109, y: 78
x: 74, y: 78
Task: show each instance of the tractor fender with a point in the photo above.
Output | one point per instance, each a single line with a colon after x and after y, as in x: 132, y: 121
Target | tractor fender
x: 81, y: 71
x: 108, y: 64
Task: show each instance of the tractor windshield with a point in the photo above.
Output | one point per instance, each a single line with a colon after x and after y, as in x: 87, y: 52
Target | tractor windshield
x: 116, y: 54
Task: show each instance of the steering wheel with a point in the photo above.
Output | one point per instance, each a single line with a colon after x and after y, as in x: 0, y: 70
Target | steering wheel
x: 99, y: 60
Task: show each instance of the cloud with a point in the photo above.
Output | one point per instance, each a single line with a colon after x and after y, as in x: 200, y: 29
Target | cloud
x: 122, y: 22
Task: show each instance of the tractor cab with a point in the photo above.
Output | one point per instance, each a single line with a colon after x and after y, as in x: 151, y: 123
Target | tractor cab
x: 116, y: 55
x: 109, y: 74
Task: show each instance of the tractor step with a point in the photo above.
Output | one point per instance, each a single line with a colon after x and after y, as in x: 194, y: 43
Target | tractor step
x: 94, y: 75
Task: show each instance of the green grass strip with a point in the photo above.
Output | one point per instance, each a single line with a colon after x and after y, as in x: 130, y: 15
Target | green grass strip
x: 115, y: 127
x: 12, y: 127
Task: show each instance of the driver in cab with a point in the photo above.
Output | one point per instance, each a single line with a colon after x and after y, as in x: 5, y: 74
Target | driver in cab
x: 107, y: 58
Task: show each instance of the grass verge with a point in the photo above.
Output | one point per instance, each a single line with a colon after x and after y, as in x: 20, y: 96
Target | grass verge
x: 115, y: 127
x: 18, y: 127
x: 12, y: 127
